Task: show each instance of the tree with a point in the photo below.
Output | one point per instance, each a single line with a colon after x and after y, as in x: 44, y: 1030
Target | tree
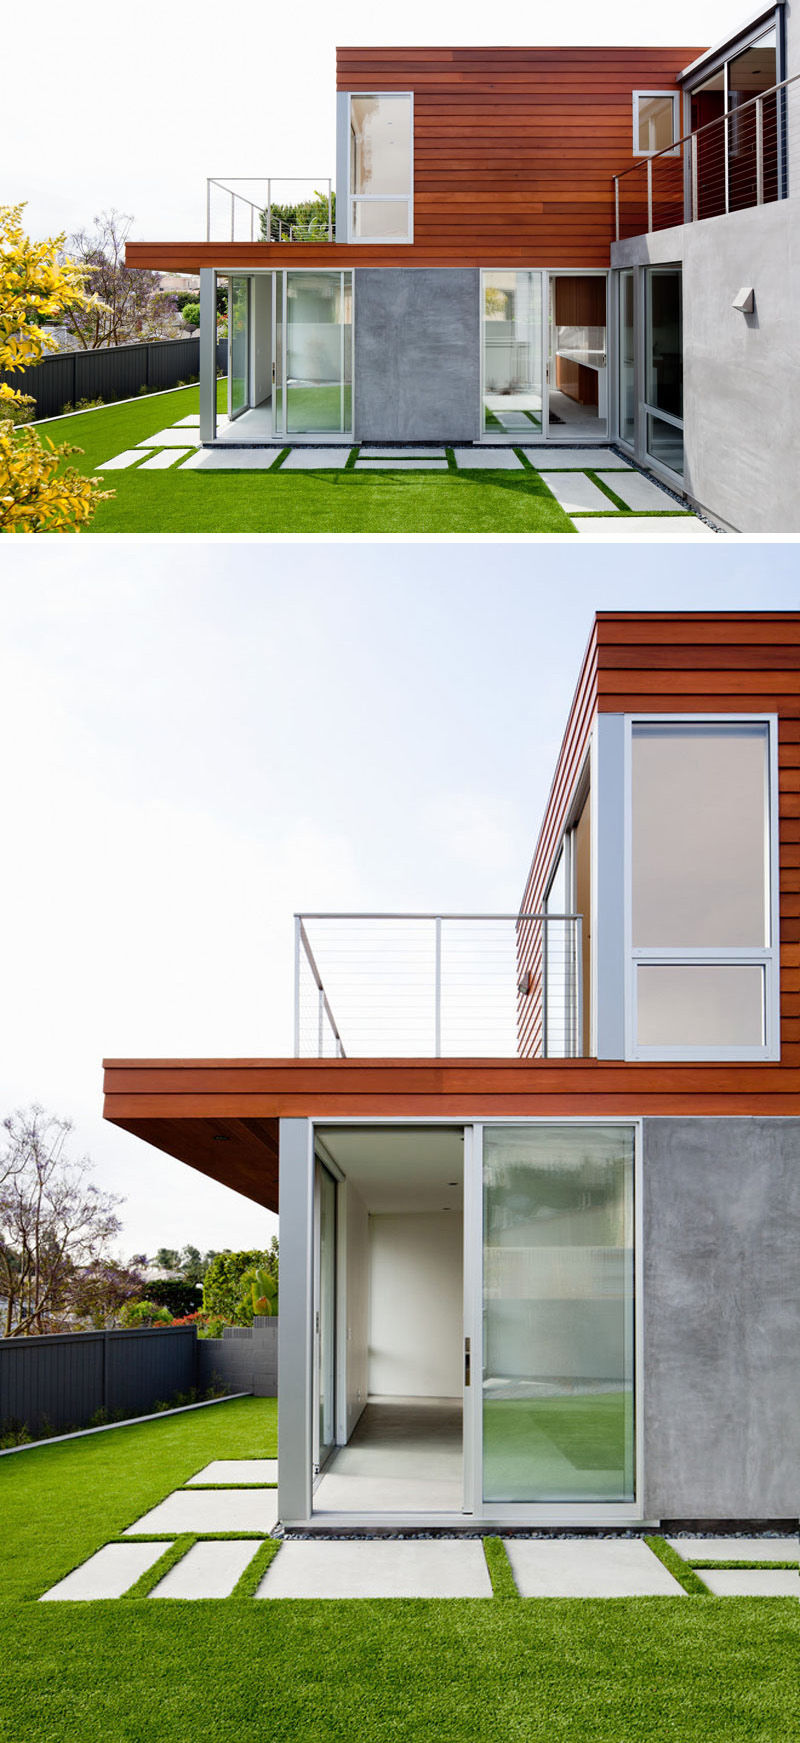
x: 305, y: 222
x: 53, y: 1220
x: 224, y: 1284
x: 127, y: 302
x: 36, y: 283
x: 99, y: 1291
x: 167, y: 1259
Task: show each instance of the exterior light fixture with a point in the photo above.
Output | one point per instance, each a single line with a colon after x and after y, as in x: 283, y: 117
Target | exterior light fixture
x: 745, y: 300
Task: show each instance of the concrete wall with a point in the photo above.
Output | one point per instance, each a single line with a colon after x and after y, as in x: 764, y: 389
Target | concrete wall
x: 416, y: 1305
x: 417, y: 354
x: 722, y: 1318
x: 741, y: 372
x: 244, y: 1359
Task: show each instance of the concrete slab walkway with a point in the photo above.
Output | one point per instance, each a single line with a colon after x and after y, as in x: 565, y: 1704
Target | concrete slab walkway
x: 700, y: 1549
x: 443, y: 1568
x: 233, y: 1471
x: 107, y: 1574
x: 204, y: 1510
x: 208, y: 1570
x: 756, y: 1582
x: 589, y: 1568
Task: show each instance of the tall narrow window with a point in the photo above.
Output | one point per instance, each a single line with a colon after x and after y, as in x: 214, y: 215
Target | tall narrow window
x: 702, y: 964
x: 656, y: 121
x: 381, y: 167
x: 664, y: 366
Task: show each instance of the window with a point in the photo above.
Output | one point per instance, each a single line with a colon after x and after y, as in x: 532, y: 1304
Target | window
x: 381, y: 167
x: 702, y: 965
x: 656, y: 122
x: 663, y: 400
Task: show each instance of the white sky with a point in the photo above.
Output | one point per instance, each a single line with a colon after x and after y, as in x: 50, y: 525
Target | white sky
x: 114, y: 108
x: 200, y: 739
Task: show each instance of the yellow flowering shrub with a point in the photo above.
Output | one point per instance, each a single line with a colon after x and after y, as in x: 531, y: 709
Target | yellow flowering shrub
x: 36, y: 283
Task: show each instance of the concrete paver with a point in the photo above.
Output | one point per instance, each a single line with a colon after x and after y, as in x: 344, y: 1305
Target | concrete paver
x: 204, y: 1510
x: 638, y: 492
x: 487, y: 459
x: 436, y: 1568
x: 128, y: 457
x: 589, y: 1568
x: 237, y: 1471
x: 401, y: 465
x: 165, y: 457
x: 309, y: 459
x: 107, y: 1574
x: 654, y: 529
x: 171, y: 438
x: 231, y: 460
x: 208, y: 1570
x: 576, y: 492
x: 764, y: 1582
x: 574, y: 459
x: 402, y: 454
x: 701, y: 1549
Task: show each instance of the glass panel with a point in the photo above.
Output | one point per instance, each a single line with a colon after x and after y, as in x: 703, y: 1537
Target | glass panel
x: 239, y: 319
x: 700, y: 841
x: 327, y: 1309
x: 655, y: 124
x: 665, y: 443
x: 512, y: 353
x: 626, y: 357
x: 664, y: 388
x: 318, y: 352
x: 751, y: 72
x: 577, y: 341
x: 700, y: 1005
x: 380, y: 145
x: 381, y: 218
x: 277, y: 392
x: 558, y: 1382
x: 557, y: 965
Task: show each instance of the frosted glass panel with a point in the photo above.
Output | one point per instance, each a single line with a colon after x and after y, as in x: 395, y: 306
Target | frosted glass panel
x: 380, y: 145
x: 700, y: 1005
x: 318, y: 352
x: 381, y: 218
x: 558, y: 1380
x: 700, y: 839
x: 239, y: 319
x: 513, y: 363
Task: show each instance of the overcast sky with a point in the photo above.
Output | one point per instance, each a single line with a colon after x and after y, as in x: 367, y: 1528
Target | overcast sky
x: 126, y: 108
x: 200, y: 739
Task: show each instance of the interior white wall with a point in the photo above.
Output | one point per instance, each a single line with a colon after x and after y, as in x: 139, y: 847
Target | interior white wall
x: 416, y: 1304
x: 261, y: 330
x: 352, y: 1310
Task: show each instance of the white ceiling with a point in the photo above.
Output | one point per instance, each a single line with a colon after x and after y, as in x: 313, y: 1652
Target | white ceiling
x: 400, y: 1168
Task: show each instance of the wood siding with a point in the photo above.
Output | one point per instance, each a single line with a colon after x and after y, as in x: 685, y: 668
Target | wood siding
x: 514, y: 154
x: 692, y: 662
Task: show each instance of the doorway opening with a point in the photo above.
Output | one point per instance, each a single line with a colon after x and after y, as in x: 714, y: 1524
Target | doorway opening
x: 391, y: 1363
x: 577, y: 367
x: 290, y: 357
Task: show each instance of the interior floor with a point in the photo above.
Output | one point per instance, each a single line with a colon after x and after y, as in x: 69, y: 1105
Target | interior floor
x: 573, y: 416
x: 254, y: 425
x: 404, y: 1455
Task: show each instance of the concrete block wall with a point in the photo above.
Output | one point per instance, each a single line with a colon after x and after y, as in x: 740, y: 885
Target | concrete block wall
x: 244, y: 1359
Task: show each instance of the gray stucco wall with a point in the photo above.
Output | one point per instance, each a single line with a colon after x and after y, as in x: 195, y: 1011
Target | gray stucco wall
x: 417, y: 354
x: 722, y: 1318
x: 741, y: 372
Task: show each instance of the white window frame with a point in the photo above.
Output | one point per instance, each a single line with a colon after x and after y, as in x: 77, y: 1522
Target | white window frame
x: 406, y: 200
x: 675, y: 98
x: 768, y: 958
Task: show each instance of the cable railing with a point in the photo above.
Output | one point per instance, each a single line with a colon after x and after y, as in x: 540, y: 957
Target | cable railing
x: 439, y: 986
x: 252, y: 208
x: 738, y: 160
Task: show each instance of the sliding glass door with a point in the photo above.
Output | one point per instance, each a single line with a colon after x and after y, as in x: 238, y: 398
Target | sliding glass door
x: 313, y: 353
x: 324, y: 1315
x: 238, y: 345
x: 513, y: 354
x: 557, y: 1426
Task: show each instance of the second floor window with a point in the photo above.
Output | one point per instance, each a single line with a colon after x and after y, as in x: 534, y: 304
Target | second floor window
x: 656, y: 121
x: 381, y: 167
x: 702, y: 952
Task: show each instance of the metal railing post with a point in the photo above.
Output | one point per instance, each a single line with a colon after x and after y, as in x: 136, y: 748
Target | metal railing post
x: 330, y: 212
x: 321, y: 1024
x: 437, y: 988
x: 616, y: 204
x: 269, y: 211
x: 297, y: 925
x: 545, y: 1037
x: 578, y: 1026
x: 649, y: 195
x: 759, y: 151
x: 233, y: 219
x: 208, y: 208
x: 695, y: 183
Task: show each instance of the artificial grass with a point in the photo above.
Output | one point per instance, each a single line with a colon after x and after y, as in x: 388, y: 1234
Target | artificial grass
x: 338, y: 501
x: 500, y: 1571
x: 681, y: 1570
x: 539, y: 1671
x: 147, y: 1581
x: 60, y: 1503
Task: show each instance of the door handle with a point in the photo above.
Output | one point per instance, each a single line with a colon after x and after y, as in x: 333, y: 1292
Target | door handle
x: 467, y: 1363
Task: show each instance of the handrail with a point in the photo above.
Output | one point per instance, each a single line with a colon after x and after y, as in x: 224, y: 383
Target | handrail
x: 688, y: 139
x: 263, y: 207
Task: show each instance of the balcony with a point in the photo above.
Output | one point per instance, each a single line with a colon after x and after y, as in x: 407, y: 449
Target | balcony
x: 255, y: 208
x: 740, y: 159
x: 508, y: 986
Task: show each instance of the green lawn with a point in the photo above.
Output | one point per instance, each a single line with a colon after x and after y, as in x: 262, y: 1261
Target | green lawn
x: 310, y: 502
x: 683, y: 1670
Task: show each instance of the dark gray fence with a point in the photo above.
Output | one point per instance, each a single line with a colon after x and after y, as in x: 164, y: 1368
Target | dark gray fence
x: 118, y: 372
x: 61, y: 1382
x: 242, y: 1360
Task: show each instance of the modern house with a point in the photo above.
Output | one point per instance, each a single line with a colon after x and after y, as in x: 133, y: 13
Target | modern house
x: 539, y: 1175
x: 545, y: 246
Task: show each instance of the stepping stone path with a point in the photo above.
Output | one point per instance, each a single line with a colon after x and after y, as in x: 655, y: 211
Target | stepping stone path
x: 438, y: 1568
x: 574, y: 459
x: 757, y: 1582
x: 208, y: 1570
x: 109, y: 1573
x: 576, y: 492
x: 237, y: 1471
x: 589, y: 1568
x: 638, y: 492
x: 204, y: 1510
x: 487, y: 460
x: 699, y: 1549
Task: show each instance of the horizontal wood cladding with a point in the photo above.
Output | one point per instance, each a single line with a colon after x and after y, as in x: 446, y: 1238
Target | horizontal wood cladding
x: 541, y: 130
